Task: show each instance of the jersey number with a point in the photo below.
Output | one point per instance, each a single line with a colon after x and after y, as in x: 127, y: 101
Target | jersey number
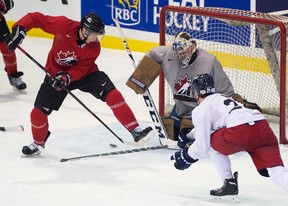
x: 227, y: 103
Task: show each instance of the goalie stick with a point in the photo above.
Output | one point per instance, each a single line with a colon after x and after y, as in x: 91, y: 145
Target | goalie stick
x: 162, y: 134
x: 121, y: 152
x: 18, y: 128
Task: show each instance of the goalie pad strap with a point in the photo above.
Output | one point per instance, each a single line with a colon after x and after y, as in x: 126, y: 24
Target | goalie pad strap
x: 144, y: 75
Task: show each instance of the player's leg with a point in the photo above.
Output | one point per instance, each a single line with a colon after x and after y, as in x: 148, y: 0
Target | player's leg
x: 9, y: 58
x: 47, y: 100
x: 100, y: 86
x: 224, y: 142
x: 279, y: 175
x: 223, y: 166
x: 266, y: 155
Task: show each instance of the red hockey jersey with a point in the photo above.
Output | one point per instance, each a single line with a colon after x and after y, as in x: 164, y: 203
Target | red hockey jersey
x: 65, y: 54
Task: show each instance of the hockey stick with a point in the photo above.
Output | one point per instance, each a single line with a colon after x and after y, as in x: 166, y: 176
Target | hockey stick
x: 18, y: 128
x: 76, y: 98
x: 162, y: 134
x: 121, y: 152
x: 63, y: 1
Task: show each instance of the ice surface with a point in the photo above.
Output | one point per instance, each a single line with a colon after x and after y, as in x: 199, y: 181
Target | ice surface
x: 142, y: 179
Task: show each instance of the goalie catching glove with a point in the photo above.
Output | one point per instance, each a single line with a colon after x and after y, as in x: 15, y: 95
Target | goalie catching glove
x: 144, y: 75
x: 62, y: 79
x: 249, y: 105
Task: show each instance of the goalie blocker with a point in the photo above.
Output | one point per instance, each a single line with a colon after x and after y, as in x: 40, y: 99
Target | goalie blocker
x: 144, y: 75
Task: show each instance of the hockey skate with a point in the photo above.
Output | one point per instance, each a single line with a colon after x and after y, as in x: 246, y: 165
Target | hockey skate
x: 31, y: 150
x: 16, y: 81
x: 139, y: 133
x: 228, y: 192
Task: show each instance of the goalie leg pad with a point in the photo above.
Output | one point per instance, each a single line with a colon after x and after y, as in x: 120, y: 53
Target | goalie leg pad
x: 173, y: 126
x: 144, y: 75
x: 169, y: 126
x: 186, y: 123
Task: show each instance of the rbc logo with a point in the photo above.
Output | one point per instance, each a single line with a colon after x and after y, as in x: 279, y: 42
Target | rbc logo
x: 126, y: 11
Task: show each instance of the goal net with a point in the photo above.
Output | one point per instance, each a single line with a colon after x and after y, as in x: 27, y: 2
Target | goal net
x: 251, y: 46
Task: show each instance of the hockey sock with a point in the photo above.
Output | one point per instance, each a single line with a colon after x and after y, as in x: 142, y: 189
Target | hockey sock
x: 121, y: 110
x: 279, y: 175
x: 39, y: 126
x: 9, y: 59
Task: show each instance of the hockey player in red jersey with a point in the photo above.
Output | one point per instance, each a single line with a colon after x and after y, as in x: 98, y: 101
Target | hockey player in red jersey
x: 71, y: 61
x: 9, y: 57
x: 223, y: 127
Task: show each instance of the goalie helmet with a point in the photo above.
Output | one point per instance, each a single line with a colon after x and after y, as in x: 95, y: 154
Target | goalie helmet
x: 183, y: 48
x: 203, y: 85
x: 93, y: 24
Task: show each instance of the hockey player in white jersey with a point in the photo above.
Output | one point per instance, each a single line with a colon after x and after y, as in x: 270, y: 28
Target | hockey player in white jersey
x: 224, y: 127
x: 180, y: 63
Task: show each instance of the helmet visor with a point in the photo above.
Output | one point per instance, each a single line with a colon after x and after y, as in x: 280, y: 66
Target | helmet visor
x: 93, y: 35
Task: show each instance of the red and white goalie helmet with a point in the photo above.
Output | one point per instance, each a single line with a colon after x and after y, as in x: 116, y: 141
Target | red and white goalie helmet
x: 184, y: 47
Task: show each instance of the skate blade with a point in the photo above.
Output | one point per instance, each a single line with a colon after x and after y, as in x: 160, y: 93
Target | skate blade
x: 36, y: 154
x: 19, y: 91
x: 225, y: 199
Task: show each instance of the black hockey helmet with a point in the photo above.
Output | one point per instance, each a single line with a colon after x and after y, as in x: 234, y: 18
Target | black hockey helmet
x: 93, y: 23
x: 203, y: 85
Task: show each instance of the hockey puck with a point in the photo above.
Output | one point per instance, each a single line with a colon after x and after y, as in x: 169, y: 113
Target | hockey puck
x: 113, y: 145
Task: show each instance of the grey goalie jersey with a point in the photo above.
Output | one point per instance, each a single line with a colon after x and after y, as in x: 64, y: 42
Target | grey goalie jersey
x: 180, y: 80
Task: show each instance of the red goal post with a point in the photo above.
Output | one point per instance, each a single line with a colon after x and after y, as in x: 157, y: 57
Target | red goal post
x: 251, y: 46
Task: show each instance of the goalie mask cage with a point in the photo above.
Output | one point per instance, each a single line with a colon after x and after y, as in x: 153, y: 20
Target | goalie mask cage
x: 251, y: 46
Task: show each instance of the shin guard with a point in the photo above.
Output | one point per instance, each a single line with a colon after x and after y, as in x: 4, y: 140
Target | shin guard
x: 39, y: 126
x: 121, y: 110
x: 9, y: 58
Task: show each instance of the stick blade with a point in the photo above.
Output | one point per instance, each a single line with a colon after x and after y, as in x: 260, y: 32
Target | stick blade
x: 17, y: 128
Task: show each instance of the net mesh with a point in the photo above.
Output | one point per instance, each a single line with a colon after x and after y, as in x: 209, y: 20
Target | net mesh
x: 248, y: 45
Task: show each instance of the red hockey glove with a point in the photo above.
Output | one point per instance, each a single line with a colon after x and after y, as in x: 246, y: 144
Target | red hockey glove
x: 6, y: 5
x: 16, y: 37
x: 62, y: 79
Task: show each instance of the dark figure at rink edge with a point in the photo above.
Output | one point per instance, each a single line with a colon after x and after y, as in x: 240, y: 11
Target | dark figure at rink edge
x: 224, y: 127
x: 9, y: 57
x: 71, y: 61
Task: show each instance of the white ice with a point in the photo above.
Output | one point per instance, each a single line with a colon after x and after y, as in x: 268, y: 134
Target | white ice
x: 145, y: 178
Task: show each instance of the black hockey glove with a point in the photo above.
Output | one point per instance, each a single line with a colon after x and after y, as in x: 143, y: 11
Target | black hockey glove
x: 6, y: 5
x: 16, y: 37
x: 182, y: 160
x: 183, y: 140
x: 62, y: 79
